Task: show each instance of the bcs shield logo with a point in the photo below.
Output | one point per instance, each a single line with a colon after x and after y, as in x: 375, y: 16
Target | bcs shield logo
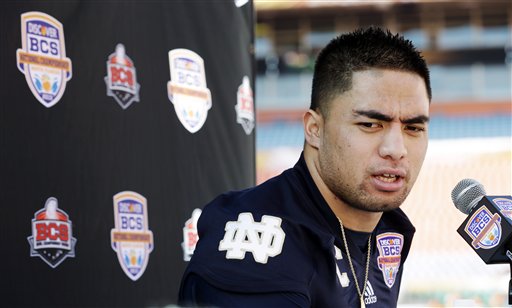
x: 131, y: 237
x: 190, y: 236
x: 484, y: 228
x: 52, y: 234
x: 505, y: 206
x: 245, y: 106
x: 42, y: 57
x: 390, y: 247
x: 187, y: 88
x: 121, y: 78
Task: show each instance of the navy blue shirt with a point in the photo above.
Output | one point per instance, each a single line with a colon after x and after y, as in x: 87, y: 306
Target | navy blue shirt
x: 280, y: 244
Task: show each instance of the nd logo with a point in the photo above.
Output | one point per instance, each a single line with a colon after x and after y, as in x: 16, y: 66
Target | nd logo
x: 263, y: 239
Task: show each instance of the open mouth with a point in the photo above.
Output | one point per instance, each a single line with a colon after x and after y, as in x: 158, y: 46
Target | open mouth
x: 388, y: 178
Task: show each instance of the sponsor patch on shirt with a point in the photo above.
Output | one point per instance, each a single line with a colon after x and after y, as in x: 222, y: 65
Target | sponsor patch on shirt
x: 42, y: 57
x: 390, y: 246
x: 187, y: 88
x: 52, y: 234
x: 131, y: 238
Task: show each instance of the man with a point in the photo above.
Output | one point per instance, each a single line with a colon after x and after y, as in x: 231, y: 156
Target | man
x: 327, y: 232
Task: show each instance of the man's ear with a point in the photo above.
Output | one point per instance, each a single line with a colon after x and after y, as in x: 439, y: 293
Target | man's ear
x: 313, y: 125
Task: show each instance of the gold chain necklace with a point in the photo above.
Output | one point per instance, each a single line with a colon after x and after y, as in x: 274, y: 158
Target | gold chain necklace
x: 359, y: 291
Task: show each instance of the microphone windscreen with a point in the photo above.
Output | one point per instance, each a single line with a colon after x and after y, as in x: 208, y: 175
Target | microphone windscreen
x: 466, y: 195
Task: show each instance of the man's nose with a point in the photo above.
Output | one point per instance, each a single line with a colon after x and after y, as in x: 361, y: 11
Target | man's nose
x: 392, y: 145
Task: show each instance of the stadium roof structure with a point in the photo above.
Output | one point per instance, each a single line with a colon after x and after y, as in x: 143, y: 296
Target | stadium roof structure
x: 270, y: 5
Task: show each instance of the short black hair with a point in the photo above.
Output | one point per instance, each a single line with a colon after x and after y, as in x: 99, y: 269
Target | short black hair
x: 357, y: 51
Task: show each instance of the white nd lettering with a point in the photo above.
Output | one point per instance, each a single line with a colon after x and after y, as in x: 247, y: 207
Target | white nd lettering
x: 263, y: 239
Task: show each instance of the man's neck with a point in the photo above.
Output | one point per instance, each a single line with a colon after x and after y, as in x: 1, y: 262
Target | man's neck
x: 352, y: 218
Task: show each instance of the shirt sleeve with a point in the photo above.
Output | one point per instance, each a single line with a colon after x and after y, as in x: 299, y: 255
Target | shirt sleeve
x: 195, y: 291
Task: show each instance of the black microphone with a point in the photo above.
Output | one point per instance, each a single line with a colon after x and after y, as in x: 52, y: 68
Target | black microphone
x: 488, y: 227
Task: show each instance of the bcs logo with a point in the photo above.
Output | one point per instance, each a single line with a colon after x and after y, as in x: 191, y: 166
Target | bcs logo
x: 131, y: 238
x: 121, y: 78
x: 187, y: 88
x: 484, y: 228
x: 245, y: 106
x: 505, y: 206
x: 42, y: 57
x: 190, y: 236
x: 52, y: 237
x: 390, y: 248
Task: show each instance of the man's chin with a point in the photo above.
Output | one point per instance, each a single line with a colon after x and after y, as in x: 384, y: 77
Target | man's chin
x: 378, y: 208
x: 383, y: 203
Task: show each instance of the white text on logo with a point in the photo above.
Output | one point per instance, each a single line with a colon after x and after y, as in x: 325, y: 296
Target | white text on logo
x: 263, y: 239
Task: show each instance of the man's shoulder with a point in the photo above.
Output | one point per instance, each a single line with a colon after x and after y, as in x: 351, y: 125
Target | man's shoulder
x: 268, y: 217
x: 247, y: 239
x: 273, y: 197
x: 253, y: 250
x: 264, y: 238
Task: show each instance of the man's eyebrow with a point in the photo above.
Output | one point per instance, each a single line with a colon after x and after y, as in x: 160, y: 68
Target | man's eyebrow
x: 373, y: 114
x: 416, y: 120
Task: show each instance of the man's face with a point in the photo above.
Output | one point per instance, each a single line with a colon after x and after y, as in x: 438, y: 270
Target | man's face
x: 374, y: 139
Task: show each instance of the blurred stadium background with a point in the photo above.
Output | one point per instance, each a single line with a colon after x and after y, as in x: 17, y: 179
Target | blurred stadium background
x: 468, y: 45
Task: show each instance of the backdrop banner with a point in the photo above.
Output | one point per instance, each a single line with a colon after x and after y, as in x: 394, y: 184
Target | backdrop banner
x: 119, y: 121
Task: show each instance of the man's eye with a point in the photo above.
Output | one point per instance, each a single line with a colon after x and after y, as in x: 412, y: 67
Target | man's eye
x: 415, y: 129
x: 368, y: 125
